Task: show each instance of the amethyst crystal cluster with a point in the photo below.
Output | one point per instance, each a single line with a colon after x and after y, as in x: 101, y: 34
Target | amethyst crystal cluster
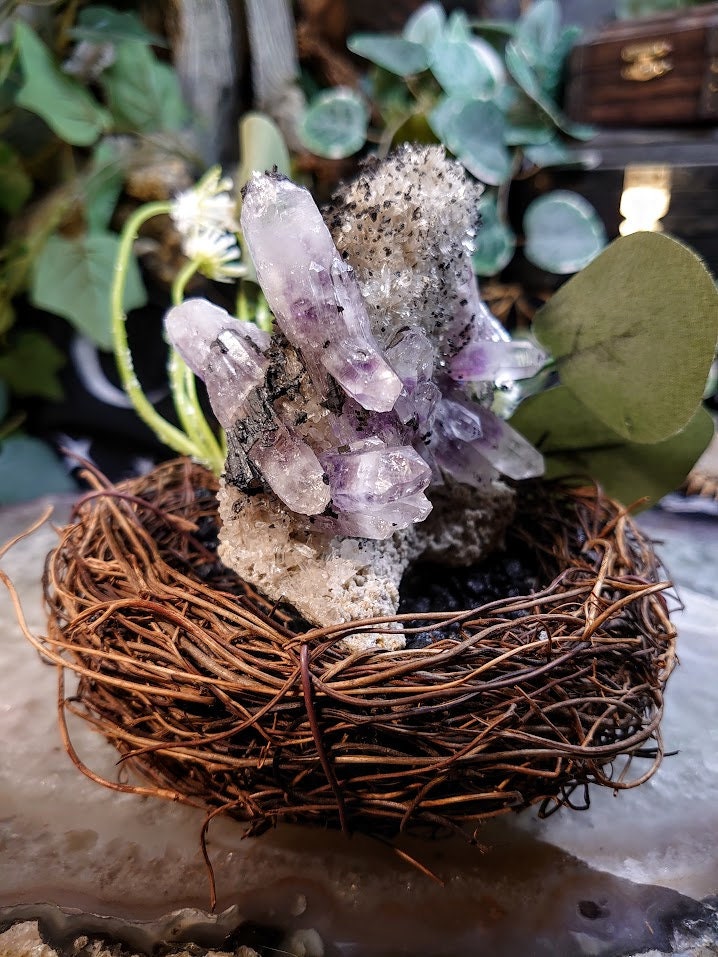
x: 373, y: 395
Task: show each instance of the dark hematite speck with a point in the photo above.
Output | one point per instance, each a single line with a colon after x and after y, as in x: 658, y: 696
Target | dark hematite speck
x: 427, y: 586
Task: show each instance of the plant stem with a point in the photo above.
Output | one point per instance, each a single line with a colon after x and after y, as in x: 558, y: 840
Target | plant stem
x: 164, y: 430
x: 184, y: 388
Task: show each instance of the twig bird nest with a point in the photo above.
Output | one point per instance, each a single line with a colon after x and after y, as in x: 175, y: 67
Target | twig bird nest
x: 218, y: 699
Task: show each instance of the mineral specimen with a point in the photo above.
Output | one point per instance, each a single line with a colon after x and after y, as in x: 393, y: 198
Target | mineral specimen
x: 371, y: 395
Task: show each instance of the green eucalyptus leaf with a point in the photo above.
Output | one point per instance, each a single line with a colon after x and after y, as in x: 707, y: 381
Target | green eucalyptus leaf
x: 474, y: 132
x: 551, y: 153
x: 495, y: 241
x: 457, y: 26
x: 335, y: 124
x: 563, y: 232
x: 538, y: 31
x: 66, y: 106
x: 467, y: 67
x: 395, y: 54
x: 28, y: 469
x: 31, y: 366
x: 144, y: 95
x: 526, y: 123
x: 577, y: 444
x: 105, y: 25
x: 72, y: 278
x: 552, y: 69
x: 15, y: 184
x: 261, y: 147
x: 425, y: 25
x: 522, y: 71
x: 634, y: 335
x: 495, y: 28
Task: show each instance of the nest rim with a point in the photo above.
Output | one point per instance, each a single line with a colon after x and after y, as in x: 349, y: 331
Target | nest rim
x: 286, y: 729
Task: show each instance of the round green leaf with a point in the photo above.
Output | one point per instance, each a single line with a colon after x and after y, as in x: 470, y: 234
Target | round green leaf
x: 28, y: 469
x: 105, y: 25
x: 467, y: 67
x: 495, y: 242
x: 537, y: 32
x: 526, y: 123
x: 335, y: 124
x: 400, y: 56
x: 261, y: 146
x: 522, y: 71
x: 65, y: 105
x: 72, y: 278
x: 576, y: 444
x: 563, y: 232
x: 551, y: 153
x: 634, y: 335
x: 425, y: 24
x: 474, y: 132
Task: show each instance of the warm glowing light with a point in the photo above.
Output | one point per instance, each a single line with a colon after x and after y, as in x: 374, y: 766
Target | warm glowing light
x: 646, y: 198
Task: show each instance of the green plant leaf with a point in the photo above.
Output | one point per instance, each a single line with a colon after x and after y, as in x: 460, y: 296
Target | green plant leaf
x: 526, y: 123
x: 103, y: 25
x: 31, y: 365
x: 4, y: 403
x: 144, y: 95
x: 335, y: 124
x: 425, y: 25
x: 103, y: 186
x: 72, y: 278
x: 469, y: 68
x: 15, y: 184
x: 474, y: 132
x: 495, y: 241
x: 65, y: 105
x: 395, y: 54
x: 563, y: 232
x: 577, y: 444
x: 28, y: 469
x: 457, y: 26
x: 552, y: 69
x: 538, y: 31
x: 634, y: 335
x: 552, y: 153
x: 261, y: 147
x: 522, y: 71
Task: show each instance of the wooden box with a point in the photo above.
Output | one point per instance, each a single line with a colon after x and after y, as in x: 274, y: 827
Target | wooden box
x: 658, y: 71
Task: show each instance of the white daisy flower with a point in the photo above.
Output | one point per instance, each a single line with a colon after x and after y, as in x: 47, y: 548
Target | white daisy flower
x: 208, y: 205
x: 216, y: 253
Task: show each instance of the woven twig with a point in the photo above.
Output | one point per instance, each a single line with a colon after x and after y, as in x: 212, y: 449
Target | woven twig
x: 218, y: 699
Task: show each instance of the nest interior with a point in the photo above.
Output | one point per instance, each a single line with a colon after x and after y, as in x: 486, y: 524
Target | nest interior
x: 217, y: 699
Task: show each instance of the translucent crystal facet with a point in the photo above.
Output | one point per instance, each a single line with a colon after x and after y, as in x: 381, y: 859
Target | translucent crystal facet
x: 226, y: 353
x: 313, y: 292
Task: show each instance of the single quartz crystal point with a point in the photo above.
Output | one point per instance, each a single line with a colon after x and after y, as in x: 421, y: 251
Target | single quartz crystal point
x: 489, y: 361
x: 226, y: 353
x: 503, y: 447
x: 374, y: 477
x: 293, y: 472
x: 312, y: 292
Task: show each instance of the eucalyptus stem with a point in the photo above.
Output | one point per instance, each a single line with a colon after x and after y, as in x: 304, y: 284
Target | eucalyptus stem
x: 184, y: 388
x: 169, y: 434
